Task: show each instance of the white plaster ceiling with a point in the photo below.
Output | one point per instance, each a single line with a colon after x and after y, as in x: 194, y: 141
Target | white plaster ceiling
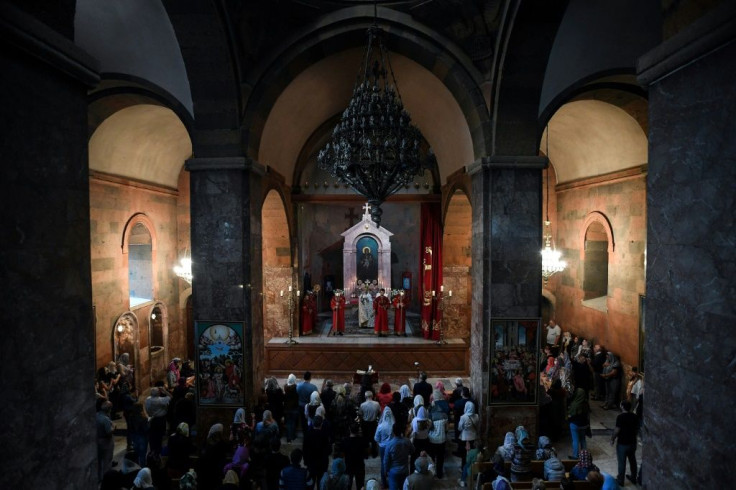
x: 588, y: 138
x: 144, y: 142
x: 324, y: 89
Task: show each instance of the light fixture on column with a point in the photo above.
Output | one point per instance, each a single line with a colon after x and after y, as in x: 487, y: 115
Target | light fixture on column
x: 374, y: 148
x: 184, y: 269
x: 552, y: 262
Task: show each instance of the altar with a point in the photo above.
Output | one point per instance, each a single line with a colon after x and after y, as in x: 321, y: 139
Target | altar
x: 366, y: 256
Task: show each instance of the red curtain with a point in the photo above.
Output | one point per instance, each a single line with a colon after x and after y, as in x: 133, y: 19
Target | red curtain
x: 430, y: 269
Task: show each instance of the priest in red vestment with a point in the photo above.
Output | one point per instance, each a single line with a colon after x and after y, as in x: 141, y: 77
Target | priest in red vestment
x: 401, y: 301
x: 381, y: 305
x: 337, y: 303
x: 308, y: 313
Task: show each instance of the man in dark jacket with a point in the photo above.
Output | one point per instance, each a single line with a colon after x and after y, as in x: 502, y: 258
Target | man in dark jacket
x: 295, y: 476
x: 599, y: 358
x: 423, y: 388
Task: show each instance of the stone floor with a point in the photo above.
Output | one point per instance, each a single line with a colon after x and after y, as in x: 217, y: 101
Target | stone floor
x: 602, y: 423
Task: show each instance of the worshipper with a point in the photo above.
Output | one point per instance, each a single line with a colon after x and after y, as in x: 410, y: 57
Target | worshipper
x: 230, y: 481
x: 612, y: 375
x: 188, y: 480
x: 384, y: 432
x: 597, y: 361
x: 157, y: 406
x: 557, y: 413
x: 372, y: 484
x: 602, y: 480
x: 422, y: 478
x: 469, y: 427
x: 553, y: 336
x: 369, y: 412
x: 423, y: 388
x: 384, y: 396
x: 506, y: 451
x: 400, y: 302
x: 439, y: 397
x: 180, y: 447
x: 242, y: 426
x: 338, y: 414
x: 310, y: 411
x: 406, y: 397
x: 185, y: 411
x: 240, y: 463
x: 336, y: 479
x: 105, y: 442
x: 317, y: 448
x: 128, y: 398
x: 582, y: 373
x: 583, y: 350
x: 502, y: 481
x: 275, y: 462
x: 475, y: 455
x: 538, y: 484
x: 585, y: 465
x: 143, y: 479
x: 578, y: 414
x: 420, y: 427
x: 212, y: 457
x: 337, y: 303
x: 523, y: 454
x: 400, y: 411
x: 138, y: 427
x: 457, y: 392
x: 490, y: 474
x: 438, y: 437
x: 624, y: 435
x: 295, y: 476
x: 418, y: 403
x: 355, y: 448
x: 291, y: 407
x: 567, y: 484
x: 327, y: 396
x: 304, y: 390
x: 266, y: 431
x: 173, y: 374
x: 459, y: 409
x: 396, y: 458
x: 275, y: 397
x: 554, y: 470
x: 634, y: 386
x: 381, y: 304
x: 545, y: 449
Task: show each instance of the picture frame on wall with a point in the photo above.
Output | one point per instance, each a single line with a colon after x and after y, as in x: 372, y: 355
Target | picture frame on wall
x: 219, y: 356
x: 514, y: 361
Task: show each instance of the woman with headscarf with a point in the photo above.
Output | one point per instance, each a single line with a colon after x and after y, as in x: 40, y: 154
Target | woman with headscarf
x: 173, y: 374
x: 406, y: 398
x: 439, y: 398
x: 240, y: 463
x: 401, y: 413
x: 231, y: 481
x: 384, y: 396
x: 506, y: 451
x: 420, y: 427
x: 291, y: 407
x: 438, y: 437
x: 578, y: 414
x: 384, y: 432
x: 469, y: 425
x: 521, y: 463
x: 336, y: 479
x: 180, y: 447
x: 310, y: 410
x: 612, y: 376
x: 418, y: 403
x: 275, y: 396
x: 545, y: 449
x: 585, y: 465
x: 143, y: 479
x: 212, y: 458
x: 241, y: 427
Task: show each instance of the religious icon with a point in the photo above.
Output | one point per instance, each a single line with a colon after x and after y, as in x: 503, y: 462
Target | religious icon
x: 220, y: 358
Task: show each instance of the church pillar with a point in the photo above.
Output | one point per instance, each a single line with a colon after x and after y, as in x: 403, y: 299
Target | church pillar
x: 690, y: 268
x: 226, y: 259
x: 47, y: 361
x: 506, y: 275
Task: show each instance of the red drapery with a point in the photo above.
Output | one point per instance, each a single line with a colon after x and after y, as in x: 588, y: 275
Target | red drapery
x: 430, y: 269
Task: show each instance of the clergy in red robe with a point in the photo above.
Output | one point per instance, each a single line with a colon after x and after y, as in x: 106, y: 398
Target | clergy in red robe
x: 381, y: 305
x: 337, y: 303
x: 401, y: 301
x: 308, y: 307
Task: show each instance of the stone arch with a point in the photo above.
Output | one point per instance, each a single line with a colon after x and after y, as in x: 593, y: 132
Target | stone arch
x: 276, y: 263
x: 596, y: 259
x: 158, y: 353
x: 126, y: 340
x: 142, y: 219
x: 345, y: 29
x: 596, y: 216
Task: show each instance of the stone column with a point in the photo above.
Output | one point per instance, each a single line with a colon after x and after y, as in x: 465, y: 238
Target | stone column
x: 691, y: 273
x: 506, y: 273
x: 223, y: 261
x: 47, y: 362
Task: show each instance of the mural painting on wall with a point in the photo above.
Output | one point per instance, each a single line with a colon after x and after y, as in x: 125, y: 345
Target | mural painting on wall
x: 367, y: 258
x: 220, y: 362
x: 514, y: 361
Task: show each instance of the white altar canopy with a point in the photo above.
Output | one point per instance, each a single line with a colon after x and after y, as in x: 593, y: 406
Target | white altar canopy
x: 366, y: 228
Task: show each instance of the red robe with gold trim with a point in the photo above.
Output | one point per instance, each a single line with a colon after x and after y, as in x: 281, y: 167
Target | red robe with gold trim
x: 308, y: 314
x: 401, y: 301
x: 381, y: 305
x: 337, y: 303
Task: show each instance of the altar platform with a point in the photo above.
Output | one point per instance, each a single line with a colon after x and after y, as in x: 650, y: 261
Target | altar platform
x: 323, y: 354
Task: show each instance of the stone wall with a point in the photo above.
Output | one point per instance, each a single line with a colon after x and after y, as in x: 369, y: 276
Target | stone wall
x: 623, y: 202
x: 112, y: 205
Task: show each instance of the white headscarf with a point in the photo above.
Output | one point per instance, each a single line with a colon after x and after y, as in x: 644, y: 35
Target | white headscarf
x: 314, y: 399
x: 418, y: 402
x: 239, y: 416
x: 387, y: 417
x: 291, y: 380
x: 405, y: 392
x: 143, y: 479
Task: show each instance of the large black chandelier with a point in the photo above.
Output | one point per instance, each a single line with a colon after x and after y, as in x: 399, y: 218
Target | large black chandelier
x: 375, y: 149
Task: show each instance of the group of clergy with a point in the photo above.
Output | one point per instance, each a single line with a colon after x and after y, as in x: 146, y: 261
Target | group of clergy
x: 380, y: 306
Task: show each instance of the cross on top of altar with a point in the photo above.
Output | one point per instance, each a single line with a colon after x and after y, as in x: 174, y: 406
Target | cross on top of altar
x: 367, y: 210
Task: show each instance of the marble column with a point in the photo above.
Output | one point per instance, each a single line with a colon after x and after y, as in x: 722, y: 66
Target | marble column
x: 690, y: 369
x: 223, y: 259
x: 506, y: 275
x: 47, y: 362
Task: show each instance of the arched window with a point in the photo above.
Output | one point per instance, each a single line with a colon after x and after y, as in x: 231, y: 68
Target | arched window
x: 140, y: 265
x: 595, y: 281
